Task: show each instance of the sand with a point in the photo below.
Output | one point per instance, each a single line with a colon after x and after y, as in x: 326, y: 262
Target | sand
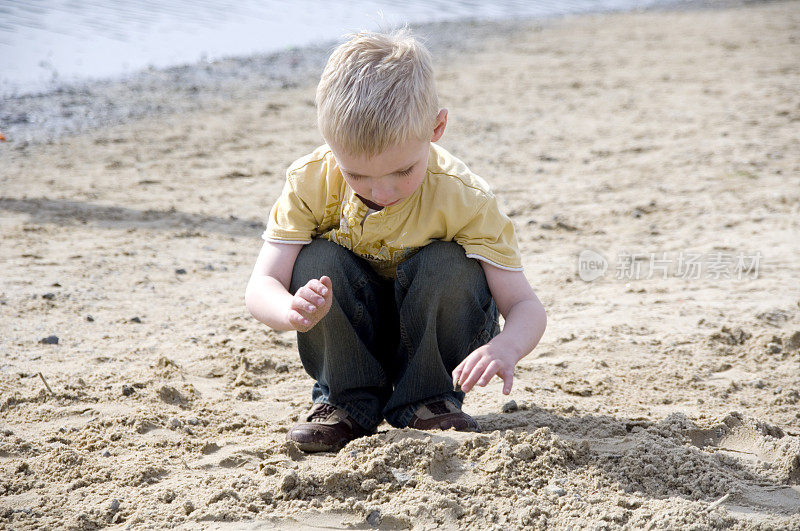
x: 662, y: 403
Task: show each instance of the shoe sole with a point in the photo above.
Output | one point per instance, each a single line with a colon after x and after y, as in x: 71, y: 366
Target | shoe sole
x: 310, y: 447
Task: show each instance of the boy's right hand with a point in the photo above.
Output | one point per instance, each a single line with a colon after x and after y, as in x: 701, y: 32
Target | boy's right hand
x: 310, y: 304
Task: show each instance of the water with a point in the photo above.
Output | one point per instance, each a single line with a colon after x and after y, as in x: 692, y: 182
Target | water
x: 45, y: 44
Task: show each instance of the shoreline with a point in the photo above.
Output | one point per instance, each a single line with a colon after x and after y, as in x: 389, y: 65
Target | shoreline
x: 74, y: 108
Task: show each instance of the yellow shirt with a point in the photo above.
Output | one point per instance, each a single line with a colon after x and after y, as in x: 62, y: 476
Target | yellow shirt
x: 452, y: 204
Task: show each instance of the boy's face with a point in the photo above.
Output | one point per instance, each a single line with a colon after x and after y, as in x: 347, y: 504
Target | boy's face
x: 388, y: 178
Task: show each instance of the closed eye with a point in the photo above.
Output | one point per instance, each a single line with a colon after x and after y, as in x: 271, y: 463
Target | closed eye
x: 355, y: 177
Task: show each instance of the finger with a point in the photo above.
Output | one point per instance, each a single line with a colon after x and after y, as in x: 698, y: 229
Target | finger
x: 307, y: 293
x: 326, y: 281
x: 319, y: 290
x: 310, y: 298
x: 302, y: 306
x: 466, y: 367
x: 508, y: 380
x: 474, y: 374
x: 297, y: 320
x: 489, y: 373
x: 457, y: 373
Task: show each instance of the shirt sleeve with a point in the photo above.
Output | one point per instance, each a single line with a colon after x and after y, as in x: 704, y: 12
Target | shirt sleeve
x: 291, y: 219
x: 489, y: 236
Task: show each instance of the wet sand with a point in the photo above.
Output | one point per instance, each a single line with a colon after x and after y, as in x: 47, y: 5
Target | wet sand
x: 660, y: 402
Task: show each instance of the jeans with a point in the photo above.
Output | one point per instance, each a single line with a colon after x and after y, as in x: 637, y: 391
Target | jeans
x: 387, y: 346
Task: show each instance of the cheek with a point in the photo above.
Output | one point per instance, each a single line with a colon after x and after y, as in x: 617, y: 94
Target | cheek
x: 413, y: 182
x: 405, y: 187
x: 359, y: 187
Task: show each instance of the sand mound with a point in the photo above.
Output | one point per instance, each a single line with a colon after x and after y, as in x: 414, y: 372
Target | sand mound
x: 550, y: 470
x: 533, y: 476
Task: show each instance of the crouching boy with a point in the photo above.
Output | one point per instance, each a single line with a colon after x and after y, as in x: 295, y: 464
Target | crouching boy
x: 390, y: 257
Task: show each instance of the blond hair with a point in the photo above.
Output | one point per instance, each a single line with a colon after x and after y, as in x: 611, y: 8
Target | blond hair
x: 376, y: 91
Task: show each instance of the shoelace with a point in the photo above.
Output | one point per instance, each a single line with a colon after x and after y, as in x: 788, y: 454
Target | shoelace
x: 438, y: 408
x: 323, y: 411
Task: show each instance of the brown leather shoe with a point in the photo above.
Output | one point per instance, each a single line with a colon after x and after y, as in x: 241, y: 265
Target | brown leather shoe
x: 442, y: 415
x: 327, y: 429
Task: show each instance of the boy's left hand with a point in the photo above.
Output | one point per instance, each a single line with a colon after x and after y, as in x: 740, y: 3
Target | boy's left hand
x: 482, y: 364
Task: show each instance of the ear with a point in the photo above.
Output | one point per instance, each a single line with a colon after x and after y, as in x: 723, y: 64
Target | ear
x: 441, y: 123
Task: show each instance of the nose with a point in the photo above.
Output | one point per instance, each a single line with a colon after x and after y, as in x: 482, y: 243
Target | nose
x: 382, y: 192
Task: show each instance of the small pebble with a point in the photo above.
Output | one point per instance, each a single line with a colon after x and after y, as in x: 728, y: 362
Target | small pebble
x: 209, y: 448
x: 188, y: 507
x: 401, y: 476
x: 136, y: 320
x: 127, y: 390
x: 180, y: 271
x: 175, y: 423
x: 555, y: 489
x: 510, y: 406
x: 49, y: 340
x: 374, y: 518
x: 289, y: 481
x: 49, y: 296
x: 113, y: 506
x: 90, y: 318
x: 193, y: 421
x: 106, y: 453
